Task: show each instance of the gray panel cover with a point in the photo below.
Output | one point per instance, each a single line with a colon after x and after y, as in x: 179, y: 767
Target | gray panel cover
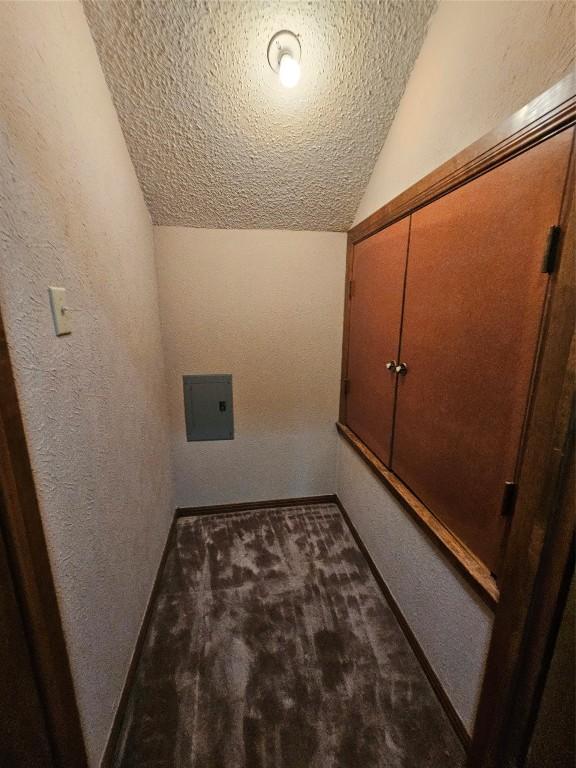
x: 208, y: 407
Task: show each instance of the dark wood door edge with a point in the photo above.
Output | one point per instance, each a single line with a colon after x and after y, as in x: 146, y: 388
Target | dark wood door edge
x: 115, y: 731
x: 243, y: 506
x: 536, y: 536
x: 22, y: 526
x: 346, y: 332
x: 546, y: 115
x: 437, y: 686
x: 474, y: 572
x: 546, y: 424
x: 546, y: 614
x: 524, y: 635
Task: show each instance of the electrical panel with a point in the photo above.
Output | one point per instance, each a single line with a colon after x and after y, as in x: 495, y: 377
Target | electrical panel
x: 208, y: 407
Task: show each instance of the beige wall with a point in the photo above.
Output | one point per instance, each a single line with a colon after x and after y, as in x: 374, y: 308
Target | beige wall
x: 265, y: 306
x: 72, y: 214
x: 451, y: 622
x: 480, y: 62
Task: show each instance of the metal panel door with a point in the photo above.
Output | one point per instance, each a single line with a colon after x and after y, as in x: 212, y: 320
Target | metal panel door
x: 378, y: 269
x: 208, y: 407
x: 474, y: 298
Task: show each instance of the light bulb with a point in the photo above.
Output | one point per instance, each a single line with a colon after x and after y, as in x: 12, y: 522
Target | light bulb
x: 289, y: 71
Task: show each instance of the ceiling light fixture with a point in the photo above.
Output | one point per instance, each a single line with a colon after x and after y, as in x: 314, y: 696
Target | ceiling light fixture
x: 284, y: 57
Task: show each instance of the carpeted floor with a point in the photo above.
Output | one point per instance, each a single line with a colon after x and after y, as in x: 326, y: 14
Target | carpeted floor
x: 271, y: 646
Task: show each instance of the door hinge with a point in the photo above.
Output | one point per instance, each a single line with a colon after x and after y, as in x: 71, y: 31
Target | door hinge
x: 549, y: 261
x: 508, y: 499
x: 350, y: 288
x: 346, y: 386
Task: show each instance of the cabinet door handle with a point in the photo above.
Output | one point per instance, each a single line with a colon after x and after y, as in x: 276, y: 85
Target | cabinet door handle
x: 391, y: 365
x: 401, y: 369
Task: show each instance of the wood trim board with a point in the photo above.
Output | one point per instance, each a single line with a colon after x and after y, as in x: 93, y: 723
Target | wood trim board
x: 107, y: 760
x: 538, y: 535
x: 244, y: 506
x: 545, y: 438
x: 540, y: 119
x: 547, y: 611
x: 433, y: 679
x: 427, y: 668
x: 475, y: 573
x: 30, y: 565
x: 214, y: 509
x: 239, y: 507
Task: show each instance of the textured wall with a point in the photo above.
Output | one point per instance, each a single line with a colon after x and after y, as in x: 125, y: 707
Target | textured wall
x: 218, y: 142
x: 266, y: 307
x: 451, y: 623
x: 72, y: 214
x: 479, y: 63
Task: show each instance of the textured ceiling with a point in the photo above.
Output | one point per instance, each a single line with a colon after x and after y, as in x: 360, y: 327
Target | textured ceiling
x: 218, y: 142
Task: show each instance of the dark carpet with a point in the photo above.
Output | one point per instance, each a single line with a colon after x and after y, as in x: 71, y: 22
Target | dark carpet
x: 271, y: 646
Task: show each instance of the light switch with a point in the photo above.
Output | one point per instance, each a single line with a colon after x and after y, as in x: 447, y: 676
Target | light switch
x: 62, y: 324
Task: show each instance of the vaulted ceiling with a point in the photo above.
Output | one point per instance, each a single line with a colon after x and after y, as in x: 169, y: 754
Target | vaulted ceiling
x: 218, y: 142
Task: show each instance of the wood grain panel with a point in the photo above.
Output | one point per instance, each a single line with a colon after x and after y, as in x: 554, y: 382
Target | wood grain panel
x: 544, y: 512
x: 375, y: 312
x: 474, y: 298
x: 549, y: 418
x: 472, y: 570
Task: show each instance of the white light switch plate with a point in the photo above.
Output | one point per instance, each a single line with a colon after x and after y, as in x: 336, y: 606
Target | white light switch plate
x: 62, y: 324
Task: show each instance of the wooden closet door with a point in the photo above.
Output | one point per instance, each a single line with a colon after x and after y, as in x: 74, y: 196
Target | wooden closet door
x: 378, y: 271
x: 474, y: 300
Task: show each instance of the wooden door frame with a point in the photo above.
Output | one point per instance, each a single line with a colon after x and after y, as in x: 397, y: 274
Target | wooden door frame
x: 29, y: 562
x: 530, y: 588
x: 539, y: 549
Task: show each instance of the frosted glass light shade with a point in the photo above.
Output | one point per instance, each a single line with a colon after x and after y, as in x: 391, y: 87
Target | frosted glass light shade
x: 289, y: 71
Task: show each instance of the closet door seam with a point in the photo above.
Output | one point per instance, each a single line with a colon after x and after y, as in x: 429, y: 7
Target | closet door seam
x: 399, y: 355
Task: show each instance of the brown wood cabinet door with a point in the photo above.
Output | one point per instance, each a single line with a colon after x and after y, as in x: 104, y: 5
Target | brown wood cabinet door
x: 474, y: 300
x: 378, y: 271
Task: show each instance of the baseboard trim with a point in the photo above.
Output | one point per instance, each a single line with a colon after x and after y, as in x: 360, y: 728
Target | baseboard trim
x: 243, y: 506
x: 437, y: 687
x: 114, y: 735
x: 180, y: 512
